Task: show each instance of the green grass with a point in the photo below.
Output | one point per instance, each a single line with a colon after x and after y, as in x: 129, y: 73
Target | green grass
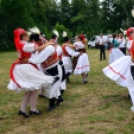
x: 98, y: 107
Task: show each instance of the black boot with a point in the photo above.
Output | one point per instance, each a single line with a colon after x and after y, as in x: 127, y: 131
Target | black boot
x: 51, y: 105
x: 60, y: 99
x: 67, y: 77
x: 68, y: 80
x: 68, y: 74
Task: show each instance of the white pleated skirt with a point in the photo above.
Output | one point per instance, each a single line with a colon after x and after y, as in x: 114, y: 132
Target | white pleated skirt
x: 67, y: 64
x: 54, y: 90
x: 115, y: 54
x: 29, y: 78
x: 118, y: 70
x: 82, y: 65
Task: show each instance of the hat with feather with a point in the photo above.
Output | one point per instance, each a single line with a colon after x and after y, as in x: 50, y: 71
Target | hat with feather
x: 65, y: 36
x: 55, y: 34
x: 35, y: 34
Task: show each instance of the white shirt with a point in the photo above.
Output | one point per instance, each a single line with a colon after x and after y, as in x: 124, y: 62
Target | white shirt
x: 79, y: 45
x: 122, y: 42
x: 29, y: 47
x: 71, y: 52
x: 102, y: 40
x: 42, y: 56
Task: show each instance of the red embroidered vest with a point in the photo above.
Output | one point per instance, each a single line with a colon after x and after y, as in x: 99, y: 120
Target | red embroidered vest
x: 65, y: 53
x: 50, y: 60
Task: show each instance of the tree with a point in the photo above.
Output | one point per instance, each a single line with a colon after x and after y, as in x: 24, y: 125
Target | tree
x: 126, y: 16
x: 17, y: 14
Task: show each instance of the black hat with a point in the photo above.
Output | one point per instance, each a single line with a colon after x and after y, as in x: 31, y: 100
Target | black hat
x: 53, y: 36
x: 34, y: 37
x: 65, y: 39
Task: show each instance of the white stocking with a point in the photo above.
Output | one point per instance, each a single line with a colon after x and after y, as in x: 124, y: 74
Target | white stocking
x: 84, y: 76
x: 33, y: 100
x: 25, y: 101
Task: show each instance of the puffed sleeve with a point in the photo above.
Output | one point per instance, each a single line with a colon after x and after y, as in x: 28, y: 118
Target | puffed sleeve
x: 29, y: 47
x: 42, y: 56
x: 71, y: 52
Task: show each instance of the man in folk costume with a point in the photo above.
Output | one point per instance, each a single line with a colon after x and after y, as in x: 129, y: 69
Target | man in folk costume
x: 48, y: 59
x: 36, y: 36
x: 26, y: 76
x: 68, y: 52
x: 54, y: 39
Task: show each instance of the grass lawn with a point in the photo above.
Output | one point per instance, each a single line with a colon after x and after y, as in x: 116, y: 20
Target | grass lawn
x: 98, y: 107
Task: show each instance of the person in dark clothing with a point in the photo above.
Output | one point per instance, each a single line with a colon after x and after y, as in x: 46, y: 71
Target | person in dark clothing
x: 102, y: 47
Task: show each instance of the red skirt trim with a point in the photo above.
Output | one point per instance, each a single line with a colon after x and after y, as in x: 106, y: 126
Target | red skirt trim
x: 82, y: 67
x: 11, y: 72
x: 117, y: 72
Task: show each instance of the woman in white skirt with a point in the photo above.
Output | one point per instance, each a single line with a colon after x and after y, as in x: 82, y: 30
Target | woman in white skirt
x: 118, y: 70
x: 26, y: 76
x: 130, y: 76
x: 122, y: 70
x: 114, y: 52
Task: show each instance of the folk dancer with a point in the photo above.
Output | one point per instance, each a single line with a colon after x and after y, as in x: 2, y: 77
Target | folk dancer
x: 48, y: 59
x: 122, y: 70
x: 118, y: 70
x: 114, y: 52
x: 81, y: 63
x: 68, y: 53
x: 54, y: 39
x: 26, y: 76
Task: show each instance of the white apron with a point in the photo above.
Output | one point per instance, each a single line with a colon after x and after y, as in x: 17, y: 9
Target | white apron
x: 54, y: 90
x: 29, y: 78
x: 67, y: 64
x: 82, y: 65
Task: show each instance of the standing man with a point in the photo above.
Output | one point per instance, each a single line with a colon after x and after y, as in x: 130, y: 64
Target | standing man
x: 102, y: 47
x: 122, y: 43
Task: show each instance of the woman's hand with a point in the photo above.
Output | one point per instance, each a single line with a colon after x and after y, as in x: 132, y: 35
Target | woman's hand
x: 133, y: 60
x: 24, y: 61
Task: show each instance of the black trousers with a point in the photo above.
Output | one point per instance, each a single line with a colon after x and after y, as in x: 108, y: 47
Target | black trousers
x: 132, y: 71
x: 102, y: 52
x: 123, y: 50
x: 53, y: 71
x: 63, y: 70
